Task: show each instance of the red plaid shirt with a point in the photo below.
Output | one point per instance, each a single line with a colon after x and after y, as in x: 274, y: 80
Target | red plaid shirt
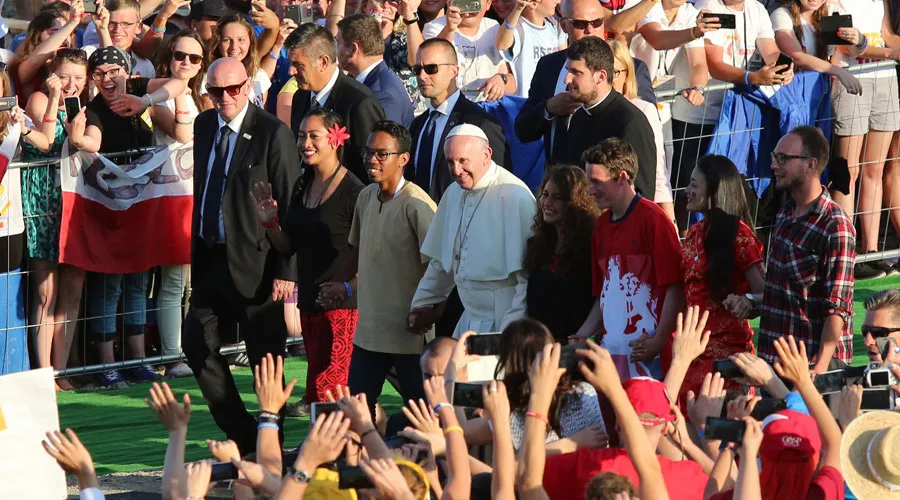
x: 809, y: 276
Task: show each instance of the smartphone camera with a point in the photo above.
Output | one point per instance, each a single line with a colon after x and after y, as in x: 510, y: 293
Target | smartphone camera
x: 727, y: 368
x: 353, y: 478
x: 320, y: 410
x: 468, y: 395
x: 724, y: 429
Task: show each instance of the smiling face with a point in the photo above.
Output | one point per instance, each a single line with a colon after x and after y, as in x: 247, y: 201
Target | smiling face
x: 810, y: 5
x: 73, y: 78
x: 606, y: 189
x: 552, y: 203
x: 468, y: 159
x: 312, y: 142
x: 185, y: 69
x: 793, y: 172
x: 391, y: 166
x: 105, y: 77
x: 698, y: 195
x: 123, y: 26
x: 235, y: 41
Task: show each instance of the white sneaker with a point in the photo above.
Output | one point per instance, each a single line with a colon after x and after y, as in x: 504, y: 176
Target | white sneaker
x: 179, y: 370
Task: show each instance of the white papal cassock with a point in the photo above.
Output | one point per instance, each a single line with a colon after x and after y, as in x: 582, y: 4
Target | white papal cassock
x: 477, y: 243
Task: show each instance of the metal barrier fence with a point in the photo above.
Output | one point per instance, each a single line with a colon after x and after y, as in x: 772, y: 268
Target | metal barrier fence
x: 80, y: 355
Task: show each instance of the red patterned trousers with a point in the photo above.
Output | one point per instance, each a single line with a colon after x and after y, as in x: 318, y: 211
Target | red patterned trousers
x: 328, y: 337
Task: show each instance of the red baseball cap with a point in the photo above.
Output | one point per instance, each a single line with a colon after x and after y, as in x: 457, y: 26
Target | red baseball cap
x: 790, y: 435
x: 648, y: 395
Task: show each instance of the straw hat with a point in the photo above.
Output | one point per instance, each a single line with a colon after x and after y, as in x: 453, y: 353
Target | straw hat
x: 870, y: 456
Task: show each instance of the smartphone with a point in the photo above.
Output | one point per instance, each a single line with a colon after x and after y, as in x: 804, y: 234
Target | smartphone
x: 317, y: 410
x: 90, y: 6
x: 783, y: 60
x: 300, y: 14
x: 467, y: 6
x: 727, y: 368
x: 726, y: 21
x: 223, y: 471
x: 484, y: 344
x: 767, y: 407
x: 830, y: 382
x: 879, y: 398
x: 467, y: 395
x: 353, y: 478
x: 7, y: 103
x: 73, y: 107
x: 829, y: 26
x: 569, y: 359
x: 724, y: 429
x: 887, y: 347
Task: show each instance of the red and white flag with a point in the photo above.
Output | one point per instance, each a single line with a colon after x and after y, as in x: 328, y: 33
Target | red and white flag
x: 12, y: 220
x: 127, y: 219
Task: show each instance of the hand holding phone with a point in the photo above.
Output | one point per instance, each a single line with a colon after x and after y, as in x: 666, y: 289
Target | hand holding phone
x: 725, y: 21
x: 723, y: 429
x: 484, y: 344
x: 783, y: 60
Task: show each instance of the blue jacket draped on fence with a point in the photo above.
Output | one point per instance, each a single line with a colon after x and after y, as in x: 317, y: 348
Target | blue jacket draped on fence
x: 527, y: 158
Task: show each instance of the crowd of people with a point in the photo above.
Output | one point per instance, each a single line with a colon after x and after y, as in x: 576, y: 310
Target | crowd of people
x: 357, y: 182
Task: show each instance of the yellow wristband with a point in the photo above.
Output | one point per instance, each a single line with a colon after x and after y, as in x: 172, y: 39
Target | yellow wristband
x: 452, y: 428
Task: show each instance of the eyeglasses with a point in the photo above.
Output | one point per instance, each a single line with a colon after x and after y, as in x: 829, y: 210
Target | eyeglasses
x: 180, y: 56
x: 219, y: 92
x: 112, y: 73
x: 430, y: 69
x: 878, y: 332
x: 618, y: 72
x: 381, y: 156
x: 582, y: 24
x: 781, y: 158
x: 117, y: 25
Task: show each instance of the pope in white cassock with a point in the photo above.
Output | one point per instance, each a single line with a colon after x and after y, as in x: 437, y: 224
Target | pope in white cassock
x: 476, y: 240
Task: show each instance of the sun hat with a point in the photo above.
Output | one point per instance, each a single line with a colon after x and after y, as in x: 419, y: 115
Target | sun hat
x: 870, y: 456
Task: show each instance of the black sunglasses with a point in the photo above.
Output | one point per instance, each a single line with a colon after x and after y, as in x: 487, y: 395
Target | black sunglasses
x: 878, y: 332
x: 218, y: 92
x: 582, y: 24
x: 430, y: 69
x: 180, y: 56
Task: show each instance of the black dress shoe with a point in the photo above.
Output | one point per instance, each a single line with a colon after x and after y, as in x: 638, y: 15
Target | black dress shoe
x: 299, y: 409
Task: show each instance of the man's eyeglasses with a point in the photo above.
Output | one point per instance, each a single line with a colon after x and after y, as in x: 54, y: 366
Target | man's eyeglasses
x: 781, y: 158
x: 219, y: 92
x: 180, y: 56
x: 430, y: 69
x: 117, y: 25
x: 381, y: 156
x: 878, y: 332
x: 582, y: 24
x: 98, y: 75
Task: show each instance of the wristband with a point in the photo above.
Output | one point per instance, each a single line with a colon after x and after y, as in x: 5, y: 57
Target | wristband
x: 273, y: 55
x: 267, y: 425
x: 264, y: 413
x: 149, y: 99
x: 268, y: 419
x: 453, y: 428
x: 693, y: 36
x: 440, y: 405
x: 48, y: 119
x: 508, y: 26
x: 272, y: 224
x: 28, y: 132
x: 747, y: 78
x: 414, y: 19
x: 347, y: 288
x: 182, y: 112
x: 700, y: 434
x: 534, y: 414
x: 183, y: 123
x: 157, y: 30
x: 366, y: 433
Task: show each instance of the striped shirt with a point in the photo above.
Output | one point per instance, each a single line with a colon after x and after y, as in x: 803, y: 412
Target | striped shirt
x: 809, y: 276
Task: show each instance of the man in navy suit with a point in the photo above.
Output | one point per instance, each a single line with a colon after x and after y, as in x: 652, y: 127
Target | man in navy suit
x: 361, y: 55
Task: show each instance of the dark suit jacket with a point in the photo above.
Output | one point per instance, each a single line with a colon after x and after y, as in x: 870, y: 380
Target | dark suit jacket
x: 358, y: 107
x: 391, y: 93
x: 264, y: 151
x: 531, y: 125
x: 465, y: 111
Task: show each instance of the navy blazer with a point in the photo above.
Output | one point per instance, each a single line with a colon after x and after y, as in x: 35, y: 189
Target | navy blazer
x: 391, y: 93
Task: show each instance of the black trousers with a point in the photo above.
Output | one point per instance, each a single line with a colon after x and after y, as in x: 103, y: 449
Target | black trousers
x: 217, y: 315
x: 369, y: 370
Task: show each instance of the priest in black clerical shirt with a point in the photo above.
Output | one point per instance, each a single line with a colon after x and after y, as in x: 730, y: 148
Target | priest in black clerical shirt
x: 604, y: 113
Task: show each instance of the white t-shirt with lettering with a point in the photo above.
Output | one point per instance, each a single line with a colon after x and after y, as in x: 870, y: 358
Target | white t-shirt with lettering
x: 867, y: 17
x: 532, y: 42
x: 478, y: 58
x: 739, y: 45
x: 673, y: 63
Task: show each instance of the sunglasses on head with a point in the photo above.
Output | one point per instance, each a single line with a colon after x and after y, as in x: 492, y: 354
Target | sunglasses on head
x: 180, y: 56
x: 582, y: 24
x: 878, y: 332
x: 430, y: 69
x: 218, y: 92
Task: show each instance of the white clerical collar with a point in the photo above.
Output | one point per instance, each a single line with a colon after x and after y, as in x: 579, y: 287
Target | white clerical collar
x: 399, y: 187
x: 322, y: 96
x: 446, y: 106
x: 361, y: 77
x: 488, y: 178
x: 588, y: 109
x: 237, y: 121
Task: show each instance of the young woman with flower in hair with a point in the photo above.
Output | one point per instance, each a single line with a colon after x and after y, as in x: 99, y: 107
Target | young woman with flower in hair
x: 316, y: 228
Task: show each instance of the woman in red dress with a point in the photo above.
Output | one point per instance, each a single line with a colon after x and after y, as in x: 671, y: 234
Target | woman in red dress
x: 721, y: 256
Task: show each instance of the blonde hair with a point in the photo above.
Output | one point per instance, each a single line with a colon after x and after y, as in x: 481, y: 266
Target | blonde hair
x: 415, y: 477
x: 621, y: 54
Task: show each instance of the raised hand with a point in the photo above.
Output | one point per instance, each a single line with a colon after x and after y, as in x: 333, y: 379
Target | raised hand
x: 741, y: 406
x: 223, y: 451
x: 757, y: 371
x: 172, y: 415
x: 426, y: 428
x: 602, y: 374
x: 753, y: 436
x: 709, y: 402
x: 325, y: 441
x: 792, y: 364
x: 266, y: 206
x: 434, y: 390
x: 851, y: 400
x: 101, y: 18
x: 356, y: 408
x: 198, y: 474
x: 271, y: 392
x: 496, y: 402
x: 69, y: 453
x: 263, y: 16
x: 54, y: 87
x: 706, y: 24
x: 387, y: 478
x: 691, y: 336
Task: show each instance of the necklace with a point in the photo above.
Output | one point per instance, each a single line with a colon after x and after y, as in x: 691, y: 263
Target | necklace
x: 465, y: 232
x: 325, y: 186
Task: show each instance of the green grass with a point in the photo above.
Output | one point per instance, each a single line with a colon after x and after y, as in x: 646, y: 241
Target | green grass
x: 124, y: 436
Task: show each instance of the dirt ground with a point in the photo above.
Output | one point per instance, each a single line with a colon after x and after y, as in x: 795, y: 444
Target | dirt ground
x: 142, y: 485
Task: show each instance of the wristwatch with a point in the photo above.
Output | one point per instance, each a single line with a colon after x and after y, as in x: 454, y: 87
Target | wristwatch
x: 301, y: 476
x: 415, y: 19
x: 504, y: 77
x: 751, y: 298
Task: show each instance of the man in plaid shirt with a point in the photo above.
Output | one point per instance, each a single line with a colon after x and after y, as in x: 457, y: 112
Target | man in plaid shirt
x: 809, y: 274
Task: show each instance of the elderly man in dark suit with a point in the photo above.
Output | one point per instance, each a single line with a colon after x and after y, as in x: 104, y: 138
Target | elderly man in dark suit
x: 312, y: 51
x: 237, y: 276
x: 361, y: 55
x: 436, y: 71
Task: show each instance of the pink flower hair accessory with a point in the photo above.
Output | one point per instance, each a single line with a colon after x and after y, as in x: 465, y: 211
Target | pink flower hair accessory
x: 337, y: 136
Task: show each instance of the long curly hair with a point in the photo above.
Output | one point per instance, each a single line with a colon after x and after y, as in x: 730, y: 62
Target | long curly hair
x: 793, y: 7
x: 578, y: 223
x: 164, y: 70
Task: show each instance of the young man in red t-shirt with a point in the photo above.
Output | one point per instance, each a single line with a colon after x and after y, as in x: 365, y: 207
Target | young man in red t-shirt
x: 566, y: 476
x: 636, y: 265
